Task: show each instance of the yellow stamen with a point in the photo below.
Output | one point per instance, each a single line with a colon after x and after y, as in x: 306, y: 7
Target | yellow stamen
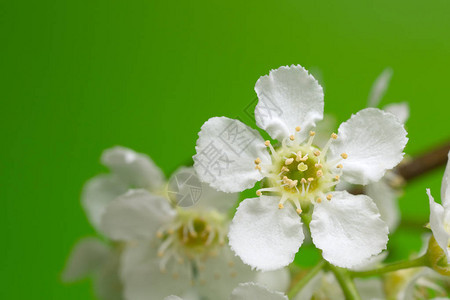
x: 329, y: 197
x: 344, y: 155
x: 302, y: 167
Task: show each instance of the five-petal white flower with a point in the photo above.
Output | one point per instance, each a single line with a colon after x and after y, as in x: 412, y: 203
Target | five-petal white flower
x: 232, y: 157
x: 440, y: 214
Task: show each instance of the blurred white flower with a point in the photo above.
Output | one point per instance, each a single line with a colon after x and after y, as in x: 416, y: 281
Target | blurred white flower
x: 174, y: 250
x: 440, y: 214
x: 232, y: 157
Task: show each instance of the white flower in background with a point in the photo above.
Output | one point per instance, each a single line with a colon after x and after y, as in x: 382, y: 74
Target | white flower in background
x: 232, y: 157
x: 385, y: 192
x: 248, y: 291
x: 440, y: 214
x: 93, y: 256
x: 174, y: 250
x: 129, y: 169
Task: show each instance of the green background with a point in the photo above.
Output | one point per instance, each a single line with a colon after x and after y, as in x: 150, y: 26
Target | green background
x: 81, y: 76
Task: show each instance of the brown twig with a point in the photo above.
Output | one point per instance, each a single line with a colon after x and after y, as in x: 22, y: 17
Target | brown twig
x: 436, y: 157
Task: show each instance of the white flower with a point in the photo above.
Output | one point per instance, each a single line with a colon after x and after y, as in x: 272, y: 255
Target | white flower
x: 93, y: 257
x: 232, y: 157
x: 129, y: 169
x: 440, y: 214
x: 174, y: 250
x: 385, y: 192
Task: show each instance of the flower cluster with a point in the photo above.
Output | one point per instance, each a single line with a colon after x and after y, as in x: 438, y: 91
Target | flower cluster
x: 174, y: 239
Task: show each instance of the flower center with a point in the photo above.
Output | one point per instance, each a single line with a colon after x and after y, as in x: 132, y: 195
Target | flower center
x: 192, y: 236
x: 301, y: 173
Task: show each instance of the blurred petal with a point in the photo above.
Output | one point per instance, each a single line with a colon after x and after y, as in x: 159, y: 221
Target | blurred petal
x: 98, y: 193
x: 87, y: 257
x: 348, y: 229
x: 307, y: 292
x: 263, y: 236
x: 107, y: 283
x: 379, y: 87
x: 172, y: 297
x: 142, y: 278
x: 222, y: 274
x: 137, y: 214
x: 400, y: 110
x: 186, y: 190
x: 226, y: 151
x: 445, y: 194
x: 385, y: 197
x: 136, y: 169
x: 371, y: 288
x: 437, y: 224
x: 253, y: 291
x: 277, y: 280
x: 374, y: 141
x: 288, y: 97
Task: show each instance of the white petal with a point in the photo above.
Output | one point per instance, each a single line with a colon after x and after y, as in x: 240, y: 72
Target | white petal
x: 253, y: 291
x: 400, y: 110
x: 226, y: 151
x: 311, y: 287
x: 371, y: 263
x: 222, y: 274
x: 172, y: 297
x: 137, y: 214
x: 107, y: 283
x: 371, y: 288
x: 288, y: 97
x: 437, y: 224
x: 98, y: 193
x: 379, y: 87
x: 348, y: 229
x: 137, y: 169
x: 277, y: 280
x: 385, y: 197
x: 186, y: 190
x: 445, y: 187
x: 374, y: 141
x: 263, y: 236
x: 142, y: 278
x: 87, y: 257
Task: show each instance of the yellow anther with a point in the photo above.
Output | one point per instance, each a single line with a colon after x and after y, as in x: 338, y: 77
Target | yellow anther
x: 302, y: 167
x: 280, y: 205
x: 159, y: 234
x: 160, y: 253
x: 299, y: 211
x: 285, y: 178
x: 319, y: 173
x: 230, y: 264
x: 334, y: 136
x: 319, y: 200
x: 310, y: 179
x: 284, y: 169
x: 288, y: 161
x: 318, y: 166
x: 344, y: 155
x: 258, y: 193
x: 233, y: 274
x: 258, y: 168
x: 258, y: 161
x: 267, y: 143
x: 317, y: 153
x: 339, y: 166
x: 336, y: 177
x: 297, y: 128
x: 329, y: 197
x: 175, y: 275
x: 170, y: 231
x: 303, y: 180
x: 292, y: 137
x: 312, y: 133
